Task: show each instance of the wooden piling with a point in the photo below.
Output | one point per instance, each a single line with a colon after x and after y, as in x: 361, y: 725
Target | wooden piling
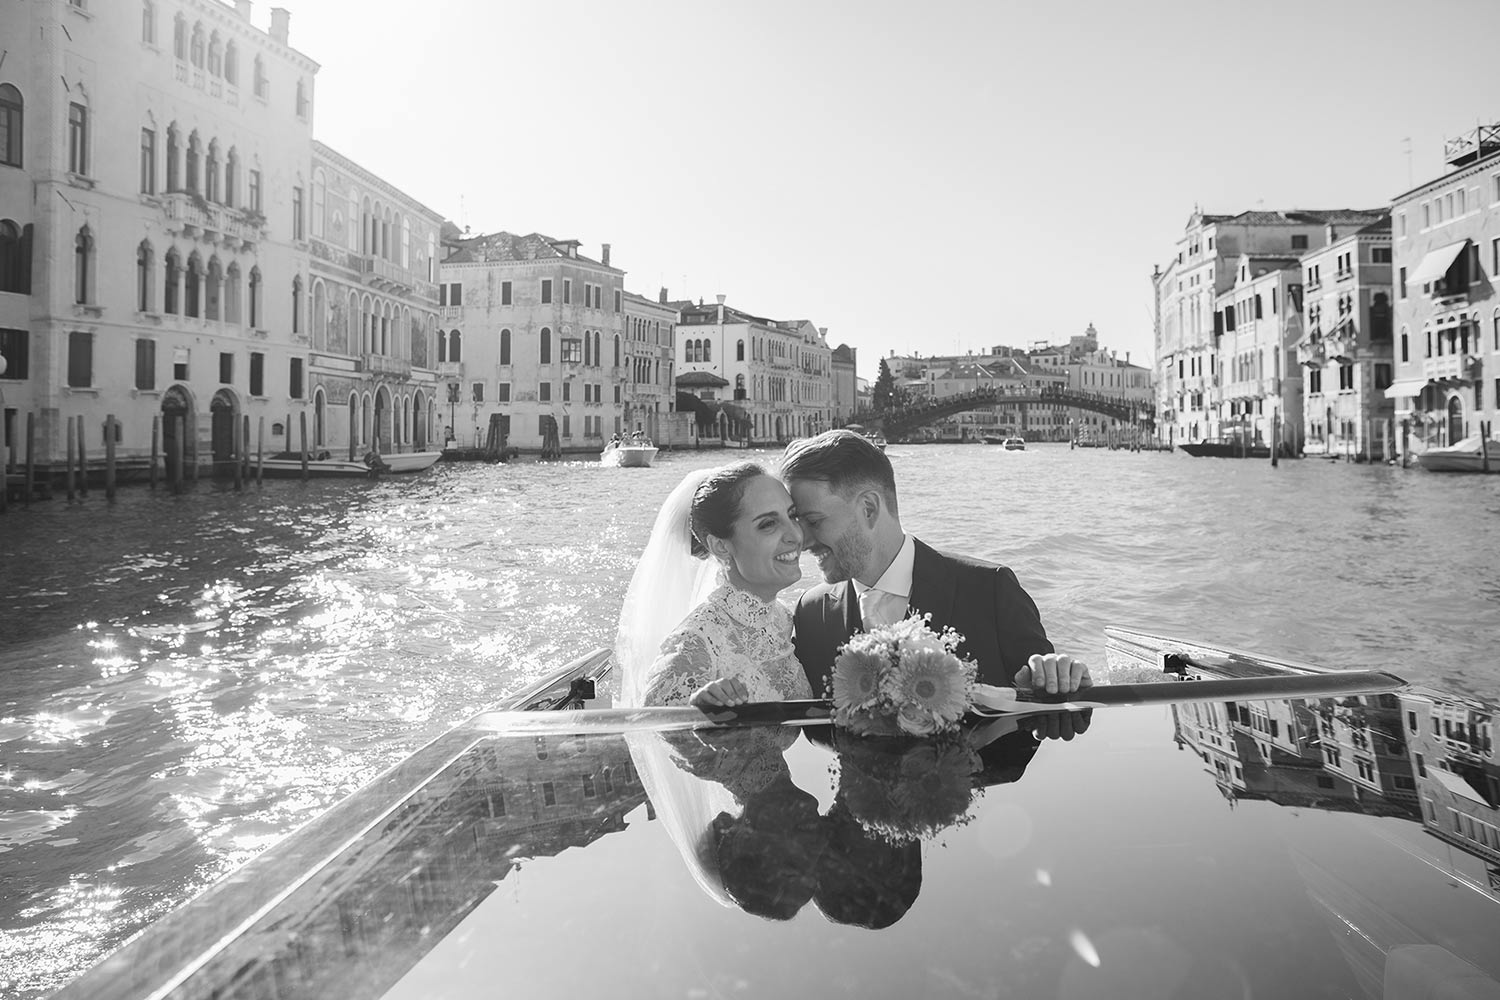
x: 236, y: 447
x: 1405, y: 441
x: 72, y: 490
x: 155, y: 446
x: 303, y: 429
x: 109, y: 457
x: 30, y: 455
x: 260, y: 451
x: 1484, y: 446
x: 1275, y: 439
x: 177, y: 452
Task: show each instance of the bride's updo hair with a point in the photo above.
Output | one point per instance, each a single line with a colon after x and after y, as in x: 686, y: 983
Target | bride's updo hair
x: 716, y: 504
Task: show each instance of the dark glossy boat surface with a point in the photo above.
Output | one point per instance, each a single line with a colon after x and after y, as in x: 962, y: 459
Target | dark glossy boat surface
x: 1225, y: 449
x: 1339, y: 847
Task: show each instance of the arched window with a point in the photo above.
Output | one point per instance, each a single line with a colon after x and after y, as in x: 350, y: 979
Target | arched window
x: 442, y: 339
x: 617, y: 350
x: 195, y: 53
x: 545, y: 351
x: 255, y: 298
x: 708, y: 350
x: 505, y: 347
x: 739, y: 350
x: 11, y: 114
x: 194, y: 154
x: 297, y: 303
x: 12, y: 255
x: 261, y: 86
x: 319, y: 316
x: 215, y: 55
x: 173, y: 273
x: 192, y: 284
x: 598, y: 349
x: 212, y: 290
x: 232, y: 64
x: 83, y: 265
x: 406, y: 243
x: 174, y: 144
x: 148, y: 22
x: 211, y: 172
x: 455, y: 346
x: 232, y: 293
x: 231, y: 176
x: 319, y: 198
x: 588, y: 348
x: 143, y: 283
x: 301, y: 99
x: 179, y: 37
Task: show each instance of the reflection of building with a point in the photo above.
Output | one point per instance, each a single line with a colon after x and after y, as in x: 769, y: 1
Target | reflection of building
x: 1447, y: 256
x: 535, y: 334
x: 1452, y: 744
x: 1360, y: 738
x: 373, y: 316
x: 436, y: 858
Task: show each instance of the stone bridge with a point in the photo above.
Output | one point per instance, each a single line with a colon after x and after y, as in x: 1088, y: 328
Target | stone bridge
x: 901, y: 421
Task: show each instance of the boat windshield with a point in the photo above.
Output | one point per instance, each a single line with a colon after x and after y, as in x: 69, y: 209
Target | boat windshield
x: 1256, y: 848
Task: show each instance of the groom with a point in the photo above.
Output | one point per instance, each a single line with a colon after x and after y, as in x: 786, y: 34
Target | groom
x: 876, y: 573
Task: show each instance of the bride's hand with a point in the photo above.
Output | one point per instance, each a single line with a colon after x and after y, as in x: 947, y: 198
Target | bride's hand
x: 721, y: 693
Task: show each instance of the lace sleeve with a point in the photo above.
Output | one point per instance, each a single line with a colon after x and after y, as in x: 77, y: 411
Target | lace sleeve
x: 686, y: 664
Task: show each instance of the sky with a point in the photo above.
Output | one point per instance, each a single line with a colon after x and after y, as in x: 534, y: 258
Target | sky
x: 931, y: 177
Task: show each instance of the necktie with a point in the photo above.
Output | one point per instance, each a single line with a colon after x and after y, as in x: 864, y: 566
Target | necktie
x: 879, y: 607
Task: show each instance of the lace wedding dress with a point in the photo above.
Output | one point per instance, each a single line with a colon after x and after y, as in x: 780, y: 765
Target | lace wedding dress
x: 730, y: 634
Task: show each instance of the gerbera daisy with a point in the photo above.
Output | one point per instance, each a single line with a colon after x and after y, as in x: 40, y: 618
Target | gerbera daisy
x: 935, y: 682
x: 856, y: 680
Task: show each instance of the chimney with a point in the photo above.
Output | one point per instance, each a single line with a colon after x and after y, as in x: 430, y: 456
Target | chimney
x: 663, y: 298
x: 281, y: 21
x: 242, y: 8
x: 604, y: 258
x: 721, y: 309
x: 823, y: 332
x: 1330, y: 234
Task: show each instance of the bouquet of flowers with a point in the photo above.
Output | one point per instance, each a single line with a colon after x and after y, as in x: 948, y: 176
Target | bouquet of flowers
x: 902, y: 678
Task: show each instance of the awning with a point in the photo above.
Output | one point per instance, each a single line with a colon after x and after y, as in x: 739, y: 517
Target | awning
x: 735, y: 412
x: 1412, y: 387
x: 1458, y: 786
x: 1436, y: 263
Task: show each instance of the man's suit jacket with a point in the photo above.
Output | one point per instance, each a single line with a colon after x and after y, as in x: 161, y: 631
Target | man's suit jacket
x: 981, y: 601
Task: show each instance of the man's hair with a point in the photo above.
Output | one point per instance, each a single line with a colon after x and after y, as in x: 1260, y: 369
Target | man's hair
x: 847, y: 462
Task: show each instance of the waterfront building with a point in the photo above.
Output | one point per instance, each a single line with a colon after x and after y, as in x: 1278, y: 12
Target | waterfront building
x: 531, y: 332
x: 1189, y: 400
x: 650, y: 336
x: 1450, y: 741
x: 1088, y: 368
x: 1259, y: 323
x: 842, y: 364
x: 373, y: 310
x: 155, y: 163
x: 778, y: 375
x: 1345, y: 348
x: 1446, y: 235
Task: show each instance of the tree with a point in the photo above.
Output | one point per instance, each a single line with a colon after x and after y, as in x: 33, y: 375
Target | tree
x: 884, y: 396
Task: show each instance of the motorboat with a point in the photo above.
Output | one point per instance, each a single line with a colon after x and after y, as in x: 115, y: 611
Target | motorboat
x: 1222, y: 823
x: 877, y: 439
x: 628, y: 454
x: 1467, y: 455
x: 322, y: 463
x: 1014, y: 444
x: 1226, y: 448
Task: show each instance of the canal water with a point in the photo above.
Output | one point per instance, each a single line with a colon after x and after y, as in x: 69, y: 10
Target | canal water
x: 185, y: 679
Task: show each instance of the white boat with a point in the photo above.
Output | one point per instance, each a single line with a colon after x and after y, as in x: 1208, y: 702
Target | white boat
x: 1014, y: 444
x: 288, y: 464
x: 1465, y: 456
x: 631, y: 455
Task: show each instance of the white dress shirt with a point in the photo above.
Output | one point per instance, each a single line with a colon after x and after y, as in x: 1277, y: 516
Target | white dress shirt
x: 887, y: 601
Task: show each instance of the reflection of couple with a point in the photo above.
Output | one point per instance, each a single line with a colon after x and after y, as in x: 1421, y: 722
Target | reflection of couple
x: 701, y: 623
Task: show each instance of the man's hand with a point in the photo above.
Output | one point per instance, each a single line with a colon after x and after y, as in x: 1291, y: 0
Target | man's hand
x: 722, y: 693
x: 1053, y: 674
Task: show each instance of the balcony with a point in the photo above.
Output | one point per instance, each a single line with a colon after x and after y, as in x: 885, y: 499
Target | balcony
x: 379, y: 364
x: 1314, y: 353
x: 1343, y: 347
x: 450, y: 313
x: 385, y: 275
x: 453, y: 369
x: 1470, y: 146
x: 193, y: 216
x: 1451, y: 367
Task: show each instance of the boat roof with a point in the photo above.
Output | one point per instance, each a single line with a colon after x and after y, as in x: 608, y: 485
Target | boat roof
x: 1198, y: 848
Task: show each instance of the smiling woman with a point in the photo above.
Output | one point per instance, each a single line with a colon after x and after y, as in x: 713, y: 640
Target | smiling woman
x: 678, y: 644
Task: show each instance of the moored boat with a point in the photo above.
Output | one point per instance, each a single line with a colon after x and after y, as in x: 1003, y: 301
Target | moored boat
x: 1467, y: 455
x: 1226, y: 448
x: 1342, y: 862
x: 288, y: 464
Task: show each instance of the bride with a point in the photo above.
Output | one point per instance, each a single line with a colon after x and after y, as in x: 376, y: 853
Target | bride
x: 700, y: 623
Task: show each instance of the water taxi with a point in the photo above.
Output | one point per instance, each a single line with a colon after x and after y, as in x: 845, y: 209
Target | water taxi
x: 323, y: 464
